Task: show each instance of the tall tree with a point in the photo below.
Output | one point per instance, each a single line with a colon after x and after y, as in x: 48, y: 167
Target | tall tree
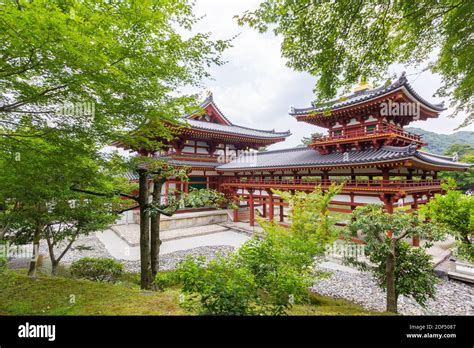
x: 97, y: 69
x: 102, y: 66
x: 399, y: 268
x: 340, y: 42
x: 37, y: 173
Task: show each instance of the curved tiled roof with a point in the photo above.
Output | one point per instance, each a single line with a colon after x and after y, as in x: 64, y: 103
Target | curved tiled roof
x: 365, y: 95
x: 236, y: 130
x: 210, y: 100
x: 231, y: 128
x: 302, y: 157
x: 178, y: 162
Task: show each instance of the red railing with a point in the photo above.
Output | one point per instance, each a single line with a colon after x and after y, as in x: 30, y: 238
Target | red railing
x: 347, y: 183
x: 385, y: 130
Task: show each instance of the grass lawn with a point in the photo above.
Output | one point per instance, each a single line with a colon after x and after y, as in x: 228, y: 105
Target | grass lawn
x: 20, y: 295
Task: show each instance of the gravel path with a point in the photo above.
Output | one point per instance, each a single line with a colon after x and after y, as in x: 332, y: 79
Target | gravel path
x: 452, y: 297
x: 169, y: 261
x: 98, y: 250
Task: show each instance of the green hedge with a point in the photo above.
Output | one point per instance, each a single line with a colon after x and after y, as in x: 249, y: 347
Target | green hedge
x: 97, y: 269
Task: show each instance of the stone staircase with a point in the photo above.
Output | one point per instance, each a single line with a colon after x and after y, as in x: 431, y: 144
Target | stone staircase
x: 131, y: 233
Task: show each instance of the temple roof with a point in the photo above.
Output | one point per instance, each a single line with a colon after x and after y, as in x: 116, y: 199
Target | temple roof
x: 210, y: 101
x: 189, y: 163
x: 225, y: 126
x: 366, y: 95
x: 302, y: 157
x: 238, y: 130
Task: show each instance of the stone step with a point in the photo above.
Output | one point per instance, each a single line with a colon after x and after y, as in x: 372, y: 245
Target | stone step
x: 131, y: 233
x: 461, y: 276
x: 191, y: 232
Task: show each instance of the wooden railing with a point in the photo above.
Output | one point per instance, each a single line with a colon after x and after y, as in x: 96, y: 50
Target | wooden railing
x: 347, y: 183
x: 360, y: 133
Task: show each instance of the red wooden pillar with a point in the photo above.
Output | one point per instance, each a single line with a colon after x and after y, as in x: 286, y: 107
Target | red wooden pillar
x: 264, y: 209
x: 282, y: 217
x: 271, y: 208
x: 251, y: 209
x: 415, y: 240
x: 236, y: 215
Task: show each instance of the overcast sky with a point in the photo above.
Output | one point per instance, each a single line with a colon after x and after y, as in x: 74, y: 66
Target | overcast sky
x: 256, y: 89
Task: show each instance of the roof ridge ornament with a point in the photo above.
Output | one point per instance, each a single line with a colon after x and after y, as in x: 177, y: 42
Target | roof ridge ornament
x: 412, y: 147
x: 403, y: 77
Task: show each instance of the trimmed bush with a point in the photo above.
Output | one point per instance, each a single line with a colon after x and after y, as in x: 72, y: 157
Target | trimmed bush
x: 102, y: 270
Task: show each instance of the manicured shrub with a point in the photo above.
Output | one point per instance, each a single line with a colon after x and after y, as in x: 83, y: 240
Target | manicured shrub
x: 102, y: 270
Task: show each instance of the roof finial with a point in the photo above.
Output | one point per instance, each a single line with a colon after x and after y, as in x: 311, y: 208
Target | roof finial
x: 209, y: 93
x: 403, y: 77
x: 363, y: 84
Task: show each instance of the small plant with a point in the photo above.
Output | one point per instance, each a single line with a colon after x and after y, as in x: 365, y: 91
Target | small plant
x: 102, y: 270
x: 166, y: 279
x: 220, y: 287
x: 205, y: 198
x: 455, y: 211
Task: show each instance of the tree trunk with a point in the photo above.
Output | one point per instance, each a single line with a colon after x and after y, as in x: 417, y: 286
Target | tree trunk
x: 54, y: 267
x: 145, y: 260
x: 155, y: 228
x: 34, y: 260
x: 390, y: 271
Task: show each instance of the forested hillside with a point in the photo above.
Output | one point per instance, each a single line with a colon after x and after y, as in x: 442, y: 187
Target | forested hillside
x: 438, y: 143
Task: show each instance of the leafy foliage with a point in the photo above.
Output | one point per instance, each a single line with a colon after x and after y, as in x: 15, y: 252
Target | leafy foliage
x: 3, y: 263
x: 125, y: 58
x: 166, y: 279
x: 198, y: 198
x: 218, y: 288
x: 341, y: 42
x: 410, y: 272
x: 269, y: 273
x: 455, y: 211
x: 101, y: 270
x: 464, y: 179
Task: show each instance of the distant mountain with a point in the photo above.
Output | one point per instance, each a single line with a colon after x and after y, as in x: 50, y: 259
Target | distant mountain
x: 438, y: 143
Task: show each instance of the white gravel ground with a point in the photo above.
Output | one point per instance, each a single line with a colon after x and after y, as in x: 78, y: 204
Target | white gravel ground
x: 452, y: 297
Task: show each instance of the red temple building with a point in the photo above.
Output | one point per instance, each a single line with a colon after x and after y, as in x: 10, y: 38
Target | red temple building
x: 366, y: 149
